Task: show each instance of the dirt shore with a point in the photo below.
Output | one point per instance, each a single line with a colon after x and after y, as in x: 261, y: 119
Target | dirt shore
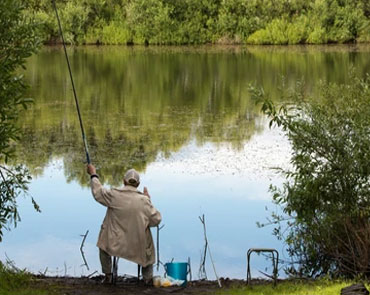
x: 92, y: 286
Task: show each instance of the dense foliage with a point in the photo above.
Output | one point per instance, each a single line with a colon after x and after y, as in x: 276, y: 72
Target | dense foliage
x: 18, y: 40
x: 327, y: 193
x: 206, y: 21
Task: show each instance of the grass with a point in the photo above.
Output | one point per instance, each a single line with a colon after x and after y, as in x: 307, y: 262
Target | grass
x: 319, y: 287
x: 20, y: 282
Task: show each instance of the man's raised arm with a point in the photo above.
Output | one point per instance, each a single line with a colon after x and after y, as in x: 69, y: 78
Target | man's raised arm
x: 100, y: 194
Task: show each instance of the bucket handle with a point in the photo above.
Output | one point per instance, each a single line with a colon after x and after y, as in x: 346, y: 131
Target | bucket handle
x: 165, y: 267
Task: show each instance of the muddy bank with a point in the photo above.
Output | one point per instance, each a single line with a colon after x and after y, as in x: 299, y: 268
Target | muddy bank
x: 124, y: 286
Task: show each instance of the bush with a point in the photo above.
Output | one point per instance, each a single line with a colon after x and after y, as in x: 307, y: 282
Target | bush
x: 115, y: 33
x: 326, y: 196
x: 317, y: 36
x: 238, y: 19
x: 194, y: 22
x: 74, y: 16
x: 148, y: 22
x: 335, y: 21
x: 281, y: 32
x: 364, y: 33
x: 347, y: 23
x: 94, y: 34
x: 18, y: 40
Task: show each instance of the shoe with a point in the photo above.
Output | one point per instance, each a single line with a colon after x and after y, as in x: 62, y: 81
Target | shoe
x: 107, y: 279
x: 148, y: 283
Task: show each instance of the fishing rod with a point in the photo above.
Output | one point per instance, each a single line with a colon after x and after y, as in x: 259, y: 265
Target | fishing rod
x: 73, y: 85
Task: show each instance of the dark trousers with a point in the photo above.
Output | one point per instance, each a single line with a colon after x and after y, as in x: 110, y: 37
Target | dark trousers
x: 106, y: 264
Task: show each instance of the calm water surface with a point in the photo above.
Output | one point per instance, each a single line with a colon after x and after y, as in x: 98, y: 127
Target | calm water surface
x: 182, y: 117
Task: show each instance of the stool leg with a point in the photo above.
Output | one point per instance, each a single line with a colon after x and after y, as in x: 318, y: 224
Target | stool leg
x: 115, y: 270
x: 138, y: 272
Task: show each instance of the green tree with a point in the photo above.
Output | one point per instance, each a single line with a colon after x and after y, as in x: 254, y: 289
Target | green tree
x: 149, y: 22
x: 18, y: 40
x: 326, y: 196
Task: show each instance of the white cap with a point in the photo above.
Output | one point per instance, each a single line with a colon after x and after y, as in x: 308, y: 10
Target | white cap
x: 132, y: 177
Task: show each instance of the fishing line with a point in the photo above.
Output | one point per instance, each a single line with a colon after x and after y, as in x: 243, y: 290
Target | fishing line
x: 73, y: 86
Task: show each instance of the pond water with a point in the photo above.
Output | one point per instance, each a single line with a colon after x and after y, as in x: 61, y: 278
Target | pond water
x: 184, y: 118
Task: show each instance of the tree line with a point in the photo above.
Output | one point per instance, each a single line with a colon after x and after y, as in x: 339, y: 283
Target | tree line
x: 178, y: 22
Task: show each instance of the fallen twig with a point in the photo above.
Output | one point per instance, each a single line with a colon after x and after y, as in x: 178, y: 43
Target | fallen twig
x: 90, y: 275
x: 45, y: 271
x: 267, y: 275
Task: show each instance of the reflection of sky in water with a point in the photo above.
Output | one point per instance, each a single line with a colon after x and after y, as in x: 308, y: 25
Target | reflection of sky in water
x: 228, y: 186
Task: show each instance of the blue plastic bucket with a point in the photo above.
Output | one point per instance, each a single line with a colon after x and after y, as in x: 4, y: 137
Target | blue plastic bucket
x: 178, y: 271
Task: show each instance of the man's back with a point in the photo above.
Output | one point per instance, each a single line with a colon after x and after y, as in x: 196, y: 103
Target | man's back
x: 125, y: 230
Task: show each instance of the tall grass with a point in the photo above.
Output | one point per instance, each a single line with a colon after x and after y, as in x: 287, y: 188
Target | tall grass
x: 19, y: 282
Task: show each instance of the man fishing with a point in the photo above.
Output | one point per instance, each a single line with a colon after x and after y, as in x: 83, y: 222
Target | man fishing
x: 125, y: 231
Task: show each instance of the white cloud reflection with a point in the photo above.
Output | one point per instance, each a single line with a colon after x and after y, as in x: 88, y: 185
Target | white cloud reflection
x: 253, y: 162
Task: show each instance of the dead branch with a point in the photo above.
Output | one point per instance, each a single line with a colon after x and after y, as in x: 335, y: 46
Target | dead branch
x: 90, y: 275
x: 203, y: 221
x: 202, y: 266
x: 82, y: 251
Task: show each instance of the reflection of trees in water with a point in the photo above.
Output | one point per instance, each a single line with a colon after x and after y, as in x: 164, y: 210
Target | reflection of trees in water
x: 137, y: 104
x: 135, y: 107
x: 135, y: 147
